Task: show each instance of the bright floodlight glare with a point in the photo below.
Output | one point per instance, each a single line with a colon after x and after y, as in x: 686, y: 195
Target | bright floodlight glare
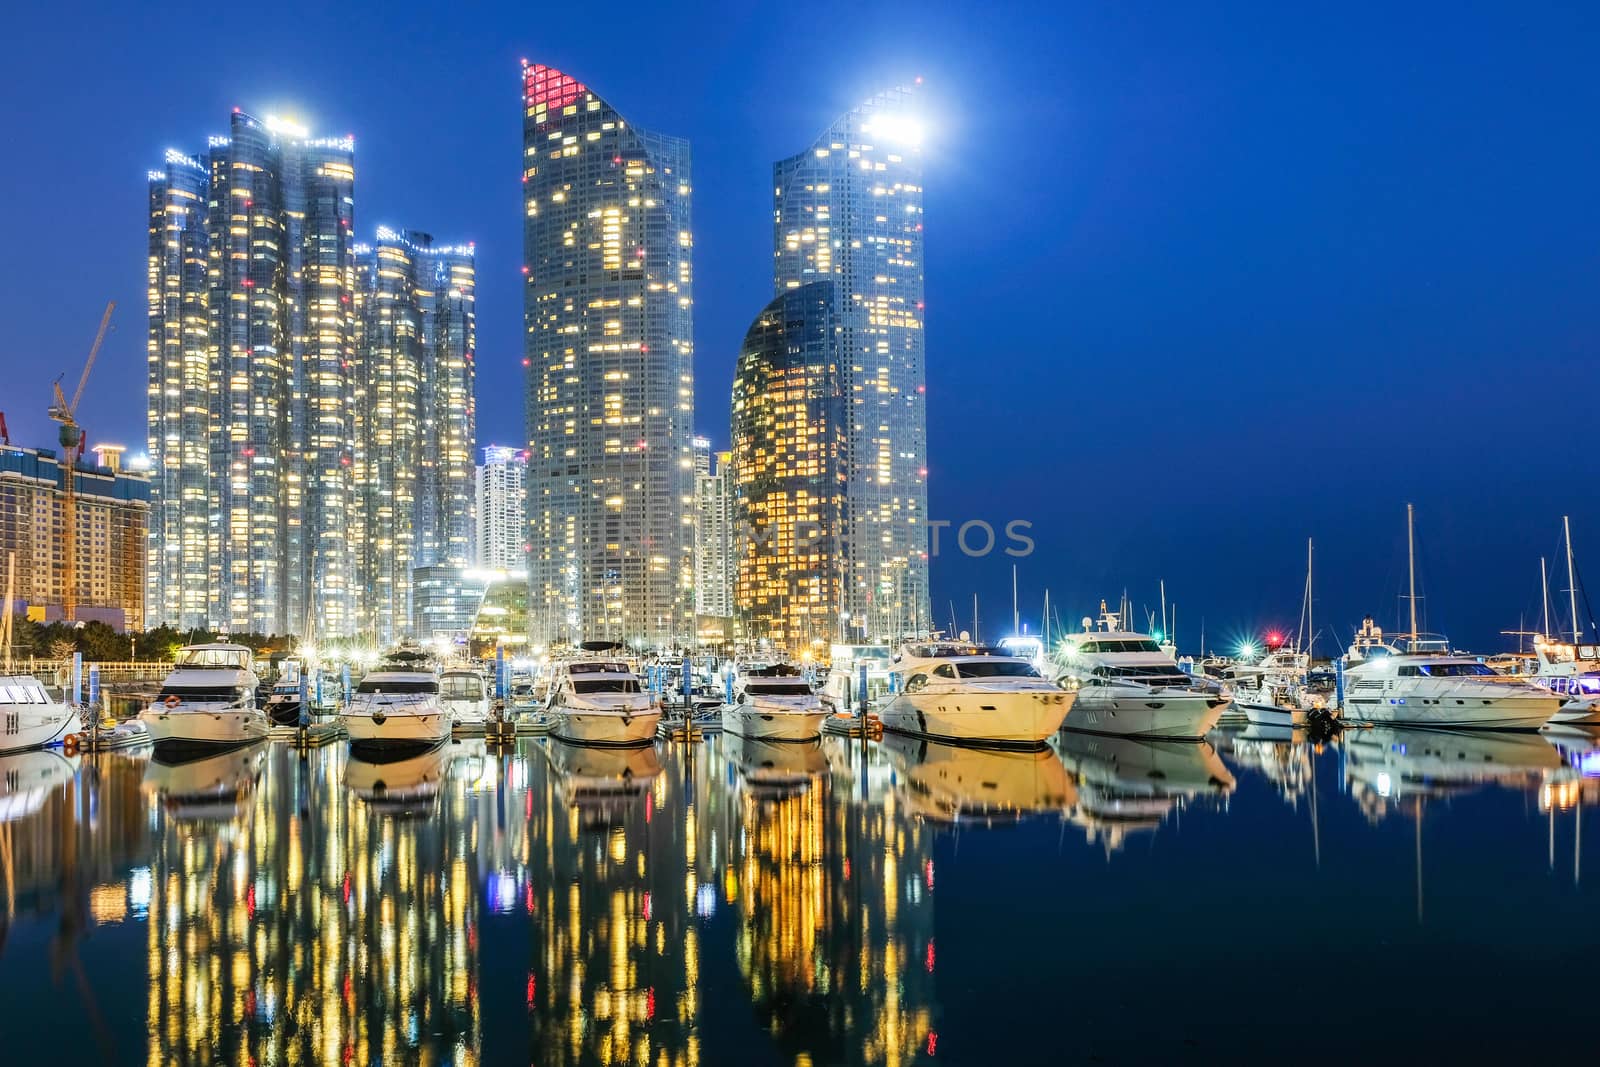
x: 894, y: 127
x: 285, y: 126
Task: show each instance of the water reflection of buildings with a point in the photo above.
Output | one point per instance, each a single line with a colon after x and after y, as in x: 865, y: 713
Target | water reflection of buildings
x: 311, y: 927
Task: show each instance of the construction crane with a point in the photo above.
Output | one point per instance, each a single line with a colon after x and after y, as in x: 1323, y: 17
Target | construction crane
x: 71, y: 438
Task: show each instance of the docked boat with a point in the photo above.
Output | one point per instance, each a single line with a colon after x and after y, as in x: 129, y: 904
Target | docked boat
x: 596, y: 699
x: 1570, y: 671
x: 207, y: 701
x: 465, y: 697
x: 397, y: 705
x: 1278, y: 691
x: 970, y: 693
x: 28, y: 717
x: 1128, y: 685
x: 841, y: 689
x: 774, y: 702
x: 285, y: 702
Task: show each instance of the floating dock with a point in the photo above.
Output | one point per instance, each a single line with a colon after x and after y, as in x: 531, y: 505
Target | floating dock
x: 129, y: 734
x: 853, y: 726
x: 312, y: 736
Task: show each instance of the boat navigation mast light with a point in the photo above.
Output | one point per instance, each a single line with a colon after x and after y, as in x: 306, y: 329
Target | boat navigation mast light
x: 1247, y: 649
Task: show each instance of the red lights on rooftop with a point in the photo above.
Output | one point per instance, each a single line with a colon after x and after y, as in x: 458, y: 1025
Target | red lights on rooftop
x: 542, y: 85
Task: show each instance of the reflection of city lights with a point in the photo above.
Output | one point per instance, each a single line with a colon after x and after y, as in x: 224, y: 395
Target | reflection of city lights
x: 503, y: 893
x: 1384, y: 783
x: 705, y: 900
x: 139, y: 891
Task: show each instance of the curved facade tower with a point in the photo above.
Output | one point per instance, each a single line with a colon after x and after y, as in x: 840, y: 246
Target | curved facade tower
x: 849, y: 208
x: 608, y: 315
x: 788, y: 471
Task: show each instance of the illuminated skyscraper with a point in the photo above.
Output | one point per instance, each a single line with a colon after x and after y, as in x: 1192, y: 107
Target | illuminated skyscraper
x: 849, y: 208
x: 789, y: 473
x: 608, y: 314
x: 251, y: 334
x: 502, y: 506
x: 713, y: 534
x: 446, y: 297
x: 181, y: 380
x: 414, y: 419
x: 319, y: 206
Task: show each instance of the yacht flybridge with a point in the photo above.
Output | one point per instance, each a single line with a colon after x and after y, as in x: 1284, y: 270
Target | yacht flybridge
x: 1127, y: 684
x: 773, y: 702
x: 1570, y: 671
x: 961, y: 691
x: 596, y: 699
x: 207, y: 701
x: 397, y: 705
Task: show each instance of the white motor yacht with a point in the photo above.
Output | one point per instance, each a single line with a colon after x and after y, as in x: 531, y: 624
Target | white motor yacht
x: 596, y: 699
x: 959, y: 691
x: 1417, y: 681
x: 1128, y: 685
x: 207, y: 701
x: 773, y: 702
x: 465, y: 697
x: 397, y: 705
x: 1571, y: 671
x: 28, y: 717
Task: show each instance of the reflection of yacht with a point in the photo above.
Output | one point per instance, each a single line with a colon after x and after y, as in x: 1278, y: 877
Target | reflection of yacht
x: 775, y: 768
x: 28, y: 717
x: 601, y: 782
x: 27, y: 779
x: 397, y: 705
x: 774, y: 702
x: 1127, y: 783
x: 959, y: 691
x: 960, y: 783
x: 1386, y: 764
x: 596, y: 699
x: 398, y: 781
x: 1278, y: 753
x: 207, y: 701
x: 465, y: 697
x: 214, y: 787
x: 1128, y: 684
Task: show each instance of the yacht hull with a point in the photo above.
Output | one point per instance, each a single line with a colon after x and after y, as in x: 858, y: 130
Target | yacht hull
x: 1262, y: 714
x: 204, y: 729
x: 1583, y: 712
x: 1177, y: 717
x: 1023, y: 720
x: 771, y: 725
x: 605, y: 727
x: 396, y: 729
x: 25, y: 726
x: 1517, y: 712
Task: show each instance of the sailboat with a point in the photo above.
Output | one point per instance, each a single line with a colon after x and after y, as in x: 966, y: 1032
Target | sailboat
x: 1276, y: 691
x: 29, y: 718
x: 1570, y: 671
x: 1416, y: 681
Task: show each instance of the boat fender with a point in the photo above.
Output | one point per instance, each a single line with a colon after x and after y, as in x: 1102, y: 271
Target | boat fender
x: 172, y: 700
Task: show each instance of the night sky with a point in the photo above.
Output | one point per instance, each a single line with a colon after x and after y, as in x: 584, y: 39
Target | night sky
x: 1203, y: 280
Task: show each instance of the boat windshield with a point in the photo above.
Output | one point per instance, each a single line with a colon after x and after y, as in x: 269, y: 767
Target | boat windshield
x: 996, y: 669
x: 23, y: 694
x: 605, y: 685
x: 597, y: 668
x: 778, y: 689
x: 398, y: 687
x: 213, y: 658
x: 1125, y: 644
x: 199, y: 694
x: 1447, y: 670
x: 461, y: 687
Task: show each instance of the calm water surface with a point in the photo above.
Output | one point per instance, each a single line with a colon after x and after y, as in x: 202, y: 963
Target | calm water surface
x: 1398, y: 896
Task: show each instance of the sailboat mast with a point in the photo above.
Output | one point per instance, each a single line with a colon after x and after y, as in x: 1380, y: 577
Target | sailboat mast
x: 974, y: 616
x: 1163, y: 607
x: 1016, y: 619
x: 1572, y: 586
x: 1311, y: 628
x: 1411, y: 553
x: 1544, y: 592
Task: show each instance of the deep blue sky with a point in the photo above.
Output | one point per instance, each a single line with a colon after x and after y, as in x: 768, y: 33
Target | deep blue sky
x: 1203, y: 279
